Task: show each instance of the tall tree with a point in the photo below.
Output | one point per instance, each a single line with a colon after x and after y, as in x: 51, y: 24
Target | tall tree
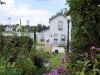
x: 1, y: 28
x: 86, y: 23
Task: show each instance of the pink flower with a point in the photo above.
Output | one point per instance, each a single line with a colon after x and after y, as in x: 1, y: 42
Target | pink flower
x: 54, y: 73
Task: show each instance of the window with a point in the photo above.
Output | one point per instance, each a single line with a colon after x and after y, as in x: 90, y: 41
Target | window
x: 55, y: 41
x: 63, y: 37
x: 60, y: 25
x: 42, y: 38
x: 55, y: 35
x: 55, y: 38
x: 48, y: 41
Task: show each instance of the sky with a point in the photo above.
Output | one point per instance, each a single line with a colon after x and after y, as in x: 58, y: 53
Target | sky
x: 36, y: 11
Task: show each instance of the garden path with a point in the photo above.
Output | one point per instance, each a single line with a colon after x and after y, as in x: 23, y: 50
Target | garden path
x: 61, y: 69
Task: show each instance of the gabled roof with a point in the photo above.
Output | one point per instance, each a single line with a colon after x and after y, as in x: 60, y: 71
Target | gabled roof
x: 44, y: 31
x: 58, y: 14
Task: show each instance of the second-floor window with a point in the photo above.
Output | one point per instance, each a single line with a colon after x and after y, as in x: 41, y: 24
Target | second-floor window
x: 60, y: 25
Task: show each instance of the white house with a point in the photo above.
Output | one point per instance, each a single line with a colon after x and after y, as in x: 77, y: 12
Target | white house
x: 57, y: 33
x: 9, y: 28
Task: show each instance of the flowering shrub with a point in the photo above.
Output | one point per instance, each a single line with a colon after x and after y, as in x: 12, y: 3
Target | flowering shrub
x: 85, y: 65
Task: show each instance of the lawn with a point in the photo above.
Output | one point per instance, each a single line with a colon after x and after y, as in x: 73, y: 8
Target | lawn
x: 55, y: 61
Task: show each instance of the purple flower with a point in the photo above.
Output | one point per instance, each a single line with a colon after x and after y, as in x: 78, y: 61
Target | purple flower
x: 54, y: 73
x: 60, y: 69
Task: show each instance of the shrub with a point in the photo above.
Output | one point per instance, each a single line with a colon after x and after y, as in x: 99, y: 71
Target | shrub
x: 25, y: 41
x: 38, y: 61
x: 83, y: 65
x: 13, y: 71
x: 40, y: 71
x: 26, y: 65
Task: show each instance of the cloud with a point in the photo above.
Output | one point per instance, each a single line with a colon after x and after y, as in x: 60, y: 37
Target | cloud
x: 23, y: 11
x: 42, y: 0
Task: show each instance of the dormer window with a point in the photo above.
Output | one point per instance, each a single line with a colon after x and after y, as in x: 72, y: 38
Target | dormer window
x: 60, y: 25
